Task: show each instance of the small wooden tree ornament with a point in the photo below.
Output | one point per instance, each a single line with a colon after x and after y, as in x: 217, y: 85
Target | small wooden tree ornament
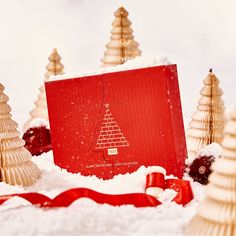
x: 40, y: 111
x: 16, y: 167
x: 122, y: 46
x: 217, y: 213
x: 207, y: 122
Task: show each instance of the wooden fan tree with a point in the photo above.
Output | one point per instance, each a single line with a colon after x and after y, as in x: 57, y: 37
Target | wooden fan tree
x: 16, y: 167
x: 40, y: 111
x: 122, y: 46
x: 217, y: 213
x: 207, y: 122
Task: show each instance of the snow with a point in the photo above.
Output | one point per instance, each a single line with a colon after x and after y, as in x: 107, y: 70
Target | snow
x: 37, y: 122
x: 85, y: 217
x: 212, y: 149
x: 157, y: 169
x: 137, y: 63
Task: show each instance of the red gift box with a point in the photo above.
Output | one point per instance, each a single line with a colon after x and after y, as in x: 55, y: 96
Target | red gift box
x: 113, y: 123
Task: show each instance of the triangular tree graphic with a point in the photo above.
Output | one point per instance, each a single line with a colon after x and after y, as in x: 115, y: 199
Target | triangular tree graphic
x: 110, y: 135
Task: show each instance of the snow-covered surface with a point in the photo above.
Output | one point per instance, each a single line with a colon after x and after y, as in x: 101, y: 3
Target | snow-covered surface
x: 137, y: 63
x: 84, y: 217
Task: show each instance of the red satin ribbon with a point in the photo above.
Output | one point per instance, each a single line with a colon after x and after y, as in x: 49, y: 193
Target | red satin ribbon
x: 182, y: 187
x: 155, y: 179
x: 66, y: 198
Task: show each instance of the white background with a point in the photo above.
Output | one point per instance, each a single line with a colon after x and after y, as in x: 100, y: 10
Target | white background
x: 196, y: 35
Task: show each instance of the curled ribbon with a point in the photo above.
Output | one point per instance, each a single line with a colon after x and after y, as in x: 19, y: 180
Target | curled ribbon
x: 182, y: 187
x: 67, y: 197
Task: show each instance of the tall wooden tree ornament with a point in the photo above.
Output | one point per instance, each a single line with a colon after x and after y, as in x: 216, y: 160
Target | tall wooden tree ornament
x: 40, y: 111
x: 207, y: 122
x: 216, y: 215
x: 16, y: 167
x: 122, y: 45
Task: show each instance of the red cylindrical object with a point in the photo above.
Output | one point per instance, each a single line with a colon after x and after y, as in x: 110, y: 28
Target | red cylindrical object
x: 155, y: 180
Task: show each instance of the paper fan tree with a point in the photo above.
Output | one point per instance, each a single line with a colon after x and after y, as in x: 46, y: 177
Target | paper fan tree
x: 122, y: 45
x: 40, y: 111
x: 207, y: 122
x: 217, y: 213
x: 16, y: 167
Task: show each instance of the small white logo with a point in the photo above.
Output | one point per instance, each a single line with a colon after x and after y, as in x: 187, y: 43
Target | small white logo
x: 112, y: 151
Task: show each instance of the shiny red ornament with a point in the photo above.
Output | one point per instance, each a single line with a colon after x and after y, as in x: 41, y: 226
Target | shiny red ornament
x: 200, y: 169
x: 38, y: 140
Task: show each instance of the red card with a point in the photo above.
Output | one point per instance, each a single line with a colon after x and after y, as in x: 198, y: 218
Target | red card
x: 114, y: 123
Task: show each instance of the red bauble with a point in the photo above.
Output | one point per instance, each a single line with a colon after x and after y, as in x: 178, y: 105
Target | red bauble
x: 200, y: 168
x: 37, y: 140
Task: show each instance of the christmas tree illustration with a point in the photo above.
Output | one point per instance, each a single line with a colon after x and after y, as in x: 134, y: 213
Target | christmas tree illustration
x: 110, y: 135
x: 122, y: 46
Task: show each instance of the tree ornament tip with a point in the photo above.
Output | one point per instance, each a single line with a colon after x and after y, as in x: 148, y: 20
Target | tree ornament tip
x: 121, y: 11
